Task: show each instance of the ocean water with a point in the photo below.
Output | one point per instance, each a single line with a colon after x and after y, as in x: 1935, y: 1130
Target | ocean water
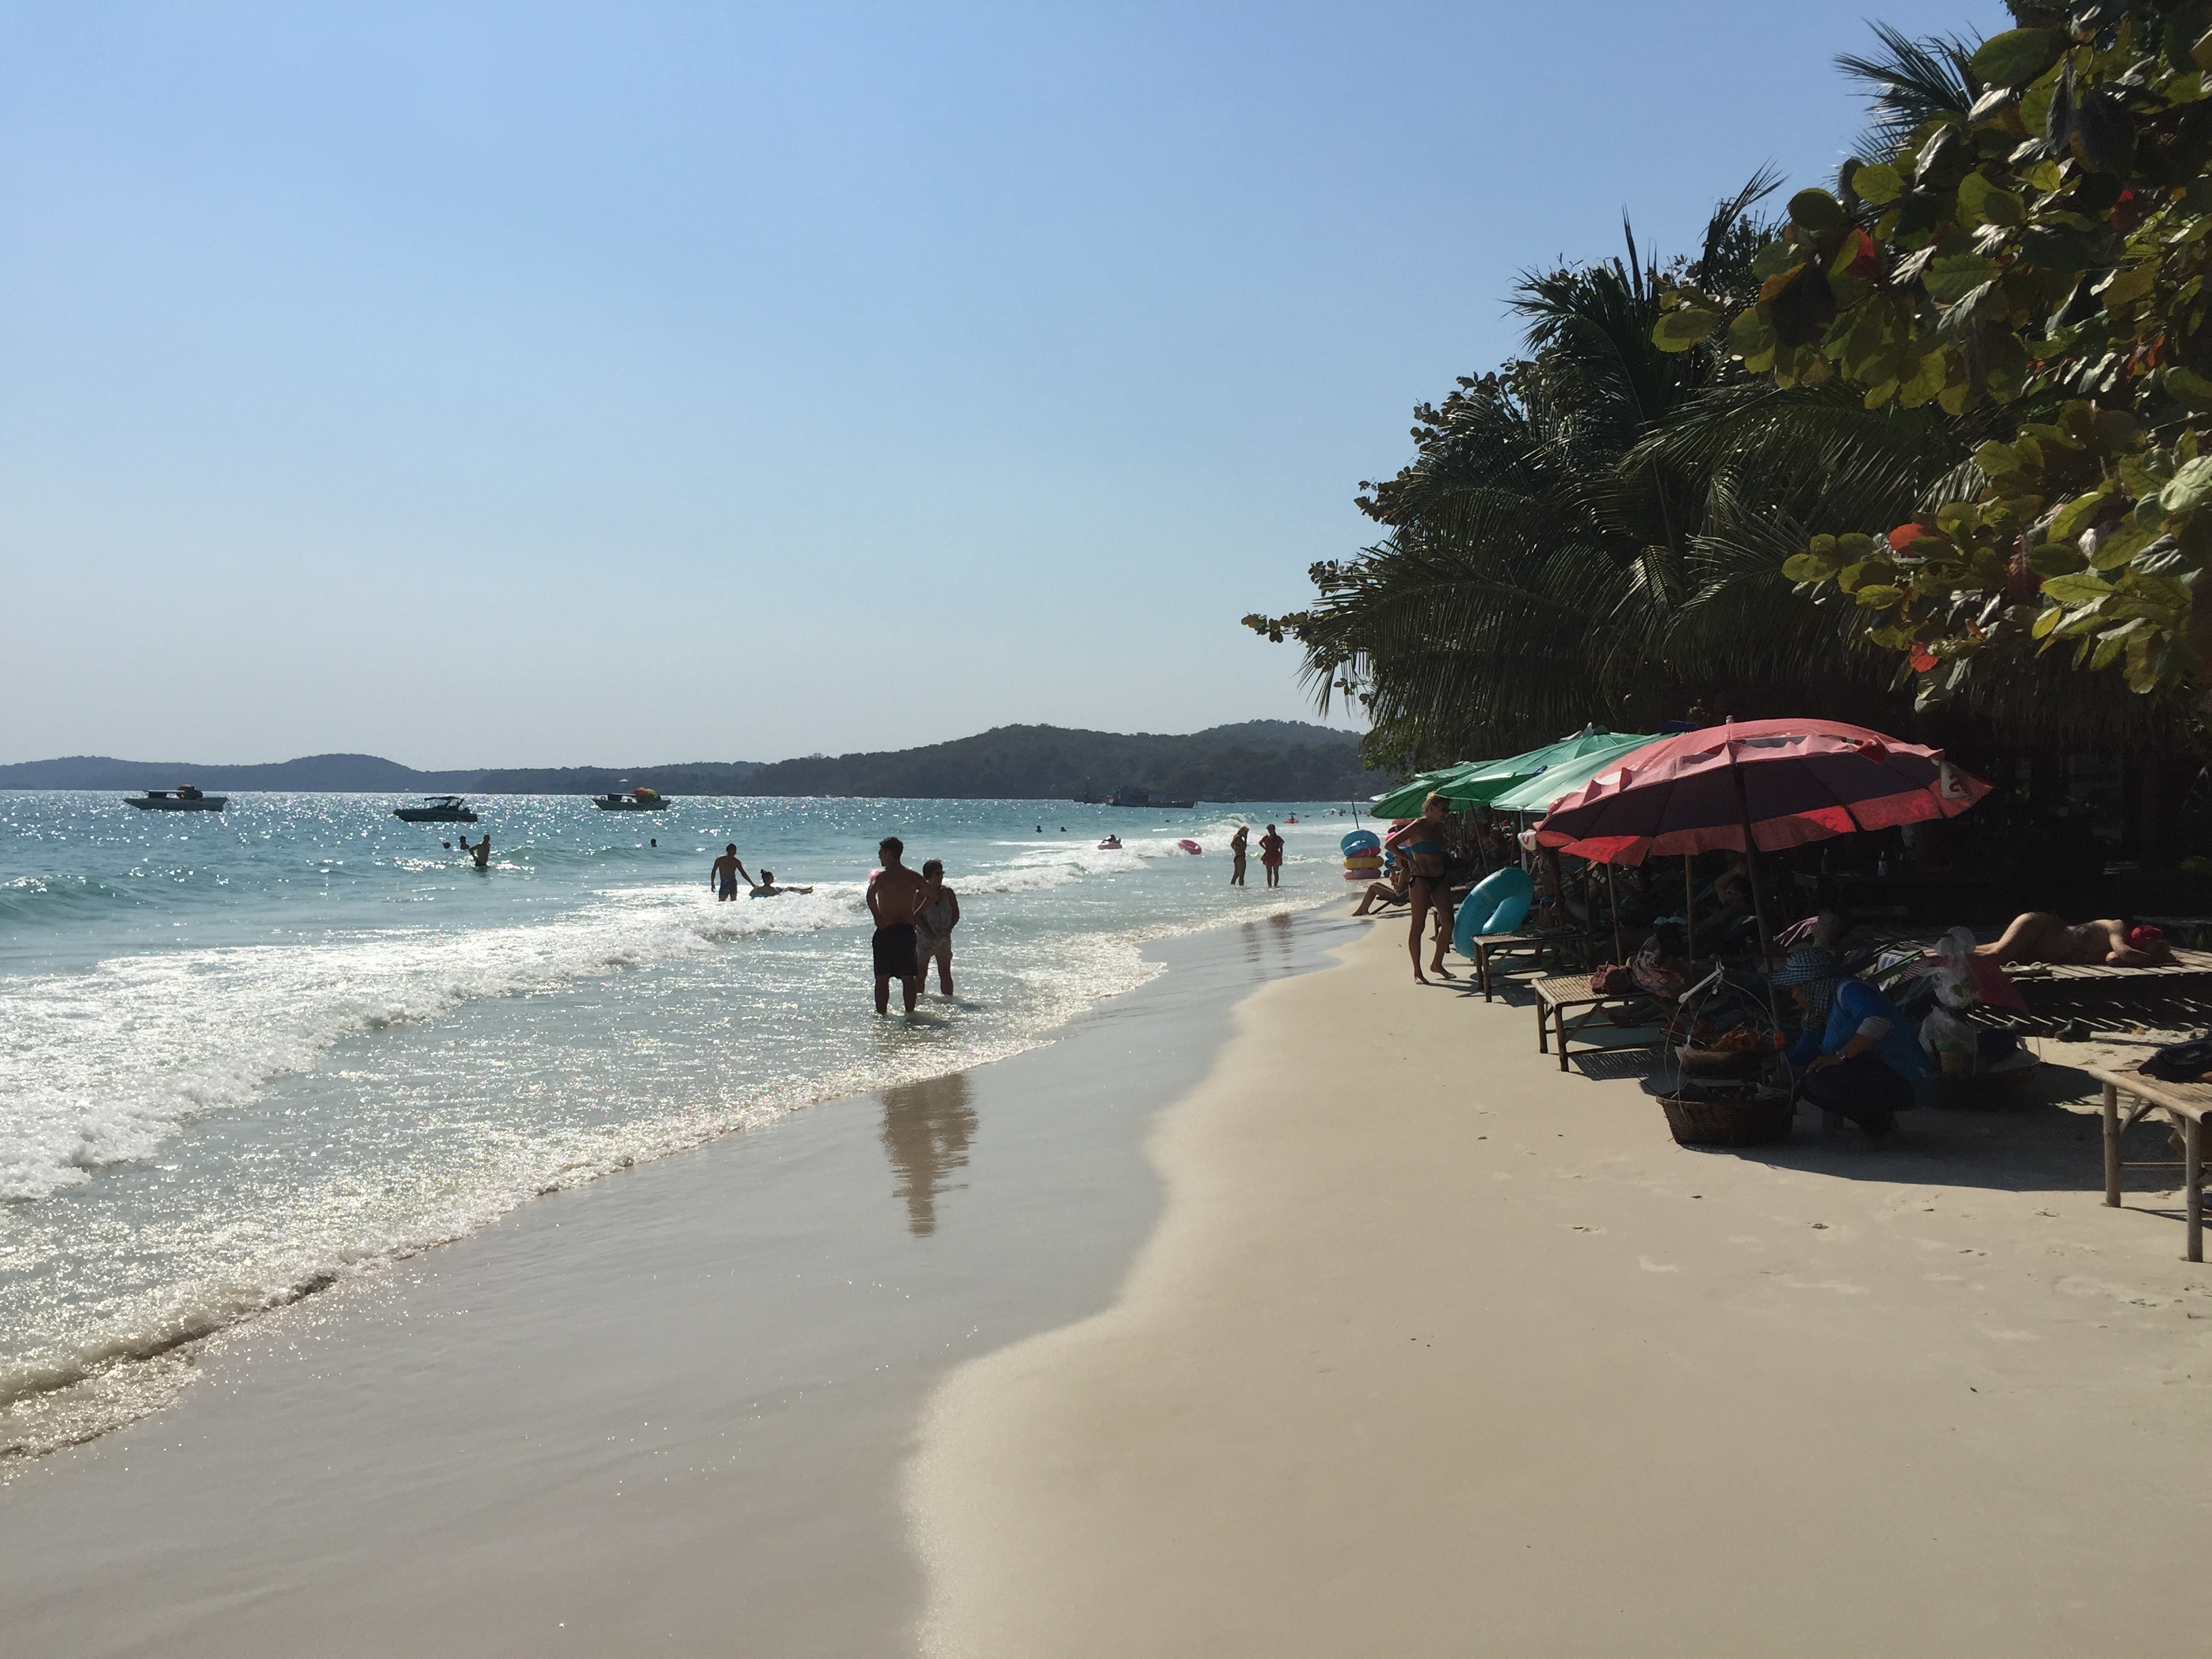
x: 244, y: 1055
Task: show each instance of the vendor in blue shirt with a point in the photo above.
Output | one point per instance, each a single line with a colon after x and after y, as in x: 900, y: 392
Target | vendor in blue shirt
x: 1859, y: 1057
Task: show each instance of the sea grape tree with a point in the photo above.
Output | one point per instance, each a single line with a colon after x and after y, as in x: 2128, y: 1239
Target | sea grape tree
x: 2044, y: 250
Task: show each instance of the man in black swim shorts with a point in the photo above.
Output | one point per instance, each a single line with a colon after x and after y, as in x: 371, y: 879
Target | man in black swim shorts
x: 895, y: 894
x: 724, y: 876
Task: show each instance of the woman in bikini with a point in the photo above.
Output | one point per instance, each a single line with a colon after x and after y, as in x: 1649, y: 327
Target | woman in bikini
x: 1421, y: 843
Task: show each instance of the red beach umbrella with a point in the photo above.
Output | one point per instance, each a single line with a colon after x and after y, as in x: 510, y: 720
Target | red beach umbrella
x: 1761, y: 785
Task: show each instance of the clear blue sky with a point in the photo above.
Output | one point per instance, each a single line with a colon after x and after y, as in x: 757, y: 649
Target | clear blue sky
x: 536, y: 384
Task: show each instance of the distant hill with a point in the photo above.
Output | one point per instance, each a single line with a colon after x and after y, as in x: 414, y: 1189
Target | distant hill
x: 372, y: 775
x: 1255, y: 760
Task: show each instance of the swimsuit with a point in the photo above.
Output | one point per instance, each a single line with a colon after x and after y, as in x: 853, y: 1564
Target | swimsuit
x: 895, y: 952
x: 729, y: 887
x: 933, y: 934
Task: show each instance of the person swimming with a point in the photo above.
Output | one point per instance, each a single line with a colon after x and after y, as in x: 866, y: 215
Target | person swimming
x: 767, y: 889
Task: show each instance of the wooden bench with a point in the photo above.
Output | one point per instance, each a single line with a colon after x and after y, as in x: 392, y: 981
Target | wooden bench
x: 2186, y: 1105
x: 1558, y: 993
x: 1538, y: 948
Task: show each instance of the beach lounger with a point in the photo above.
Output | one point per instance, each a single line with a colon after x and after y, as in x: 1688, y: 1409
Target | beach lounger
x: 2186, y: 1106
x: 1561, y: 948
x: 1556, y: 993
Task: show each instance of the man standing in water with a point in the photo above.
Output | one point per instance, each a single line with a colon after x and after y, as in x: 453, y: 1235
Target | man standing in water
x: 1237, y: 845
x: 1271, y: 856
x: 895, y: 894
x: 934, y: 924
x: 723, y: 878
x: 480, y: 852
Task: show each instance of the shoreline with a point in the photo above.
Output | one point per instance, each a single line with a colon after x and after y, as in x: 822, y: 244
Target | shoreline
x: 666, y: 1408
x: 61, y: 1400
x: 1436, y: 1351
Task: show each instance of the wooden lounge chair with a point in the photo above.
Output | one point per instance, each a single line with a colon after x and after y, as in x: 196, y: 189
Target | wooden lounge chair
x: 2186, y: 1106
x: 1562, y: 948
x: 1558, y: 993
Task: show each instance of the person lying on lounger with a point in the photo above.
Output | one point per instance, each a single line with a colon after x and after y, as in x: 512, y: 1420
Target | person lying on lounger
x: 2040, y: 936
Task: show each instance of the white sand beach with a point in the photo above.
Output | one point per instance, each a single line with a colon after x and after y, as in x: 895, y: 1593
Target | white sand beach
x: 1438, y: 1352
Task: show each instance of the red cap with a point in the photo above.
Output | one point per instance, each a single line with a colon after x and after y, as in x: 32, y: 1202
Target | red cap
x: 2146, y: 937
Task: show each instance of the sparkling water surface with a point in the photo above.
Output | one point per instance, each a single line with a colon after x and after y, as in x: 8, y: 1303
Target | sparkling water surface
x: 242, y: 1054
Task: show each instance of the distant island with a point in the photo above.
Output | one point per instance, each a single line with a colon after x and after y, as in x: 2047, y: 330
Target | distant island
x: 1253, y: 760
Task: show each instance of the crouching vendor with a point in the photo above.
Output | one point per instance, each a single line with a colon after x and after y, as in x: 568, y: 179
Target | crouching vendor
x: 1859, y: 1056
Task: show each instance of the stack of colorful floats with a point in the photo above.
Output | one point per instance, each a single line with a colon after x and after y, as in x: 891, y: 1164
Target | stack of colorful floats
x: 1363, y: 856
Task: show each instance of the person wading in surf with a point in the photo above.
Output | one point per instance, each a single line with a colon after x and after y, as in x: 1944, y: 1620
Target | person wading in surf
x: 723, y: 877
x: 895, y: 894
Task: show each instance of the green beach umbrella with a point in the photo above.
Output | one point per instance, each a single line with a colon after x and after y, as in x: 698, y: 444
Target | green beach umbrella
x: 1407, y: 800
x: 1483, y: 785
x: 1601, y: 752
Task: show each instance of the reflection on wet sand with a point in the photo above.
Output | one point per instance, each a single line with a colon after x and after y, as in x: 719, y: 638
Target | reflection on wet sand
x: 1267, y: 945
x: 927, y: 1129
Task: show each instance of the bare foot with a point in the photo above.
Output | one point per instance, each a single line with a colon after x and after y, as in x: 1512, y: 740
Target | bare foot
x: 1418, y: 980
x: 1441, y: 971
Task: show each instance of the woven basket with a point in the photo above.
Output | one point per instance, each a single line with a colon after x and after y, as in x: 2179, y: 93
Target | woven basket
x: 1767, y: 1117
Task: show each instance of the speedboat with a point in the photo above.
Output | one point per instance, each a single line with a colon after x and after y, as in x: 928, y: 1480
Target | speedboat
x: 183, y: 798
x: 638, y: 800
x: 437, y: 808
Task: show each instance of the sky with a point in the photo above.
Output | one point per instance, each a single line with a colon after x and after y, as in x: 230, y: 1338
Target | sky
x: 548, y: 384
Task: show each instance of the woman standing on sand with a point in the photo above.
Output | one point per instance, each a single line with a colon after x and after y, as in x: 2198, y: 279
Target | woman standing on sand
x: 1420, y: 842
x: 1236, y: 852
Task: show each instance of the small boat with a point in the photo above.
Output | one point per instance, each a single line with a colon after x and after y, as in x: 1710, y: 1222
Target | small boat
x: 437, y: 808
x: 638, y: 800
x: 182, y: 799
x: 1111, y: 844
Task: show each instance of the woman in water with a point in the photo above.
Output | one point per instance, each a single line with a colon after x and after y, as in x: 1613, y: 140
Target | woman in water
x: 1421, y: 843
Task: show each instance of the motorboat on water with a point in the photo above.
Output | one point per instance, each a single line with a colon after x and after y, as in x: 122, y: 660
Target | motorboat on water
x: 183, y: 798
x: 637, y: 800
x: 437, y: 808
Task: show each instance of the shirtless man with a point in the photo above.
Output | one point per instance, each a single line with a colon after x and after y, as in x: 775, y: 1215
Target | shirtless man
x: 2040, y: 936
x: 480, y: 852
x: 895, y: 894
x: 723, y: 877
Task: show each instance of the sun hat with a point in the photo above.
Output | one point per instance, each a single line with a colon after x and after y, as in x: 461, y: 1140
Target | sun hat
x: 1817, y: 969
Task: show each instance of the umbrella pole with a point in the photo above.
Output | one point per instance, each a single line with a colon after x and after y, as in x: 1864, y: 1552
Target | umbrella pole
x: 1613, y: 903
x: 1757, y: 899
x: 1689, y: 911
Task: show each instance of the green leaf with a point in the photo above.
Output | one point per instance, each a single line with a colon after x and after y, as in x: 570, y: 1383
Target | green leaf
x: 2074, y: 518
x: 1809, y: 567
x: 2191, y: 485
x: 2082, y: 588
x: 2055, y: 559
x: 1682, y: 328
x: 1996, y: 459
x: 1880, y: 596
x: 1981, y: 203
x: 1925, y: 381
x: 1878, y: 183
x: 2125, y: 287
x: 1751, y: 337
x: 1892, y: 638
x: 2016, y: 57
x: 1852, y: 577
x: 2046, y: 621
x: 2117, y: 545
x: 1951, y: 277
x: 2186, y: 385
x: 1816, y: 212
x: 1855, y: 544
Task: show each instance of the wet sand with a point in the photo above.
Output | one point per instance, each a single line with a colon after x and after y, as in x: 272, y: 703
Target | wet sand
x: 663, y: 1413
x: 1438, y: 1352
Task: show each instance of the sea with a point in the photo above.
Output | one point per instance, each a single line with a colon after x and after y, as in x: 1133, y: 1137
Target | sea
x: 247, y: 1055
